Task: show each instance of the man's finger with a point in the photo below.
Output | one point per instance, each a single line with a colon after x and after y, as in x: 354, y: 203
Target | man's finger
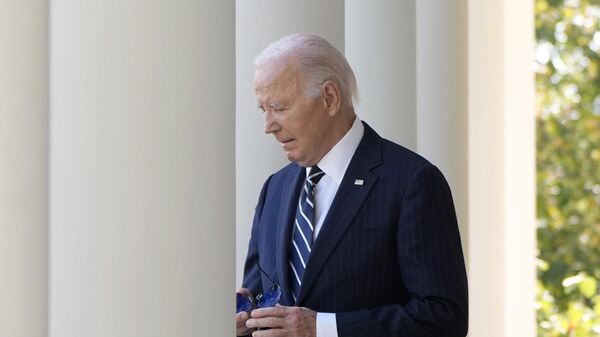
x: 244, y: 291
x: 270, y: 333
x: 240, y: 321
x: 279, y: 311
x: 267, y: 322
x: 241, y: 316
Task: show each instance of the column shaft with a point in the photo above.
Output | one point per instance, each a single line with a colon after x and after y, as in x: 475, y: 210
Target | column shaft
x: 23, y: 168
x: 381, y: 48
x: 142, y: 173
x: 442, y: 95
x: 501, y: 169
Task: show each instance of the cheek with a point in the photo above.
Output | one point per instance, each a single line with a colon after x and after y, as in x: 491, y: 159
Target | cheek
x: 304, y: 125
x: 295, y: 126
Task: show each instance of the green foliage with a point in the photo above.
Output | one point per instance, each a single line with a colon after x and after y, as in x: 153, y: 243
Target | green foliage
x: 567, y: 61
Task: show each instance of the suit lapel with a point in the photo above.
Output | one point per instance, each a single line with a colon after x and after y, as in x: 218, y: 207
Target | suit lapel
x: 348, y: 200
x: 289, y: 201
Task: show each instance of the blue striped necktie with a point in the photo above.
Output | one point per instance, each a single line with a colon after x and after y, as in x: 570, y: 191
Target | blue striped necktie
x: 303, y: 230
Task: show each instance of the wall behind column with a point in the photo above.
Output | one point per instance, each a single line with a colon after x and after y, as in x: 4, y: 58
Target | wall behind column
x: 259, y: 23
x: 23, y: 168
x: 142, y: 169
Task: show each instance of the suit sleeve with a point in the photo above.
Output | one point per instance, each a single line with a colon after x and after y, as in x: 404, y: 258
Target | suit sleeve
x: 430, y: 259
x: 252, y: 277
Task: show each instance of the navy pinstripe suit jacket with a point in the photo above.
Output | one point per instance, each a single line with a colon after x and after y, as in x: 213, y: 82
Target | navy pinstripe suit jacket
x: 388, y: 259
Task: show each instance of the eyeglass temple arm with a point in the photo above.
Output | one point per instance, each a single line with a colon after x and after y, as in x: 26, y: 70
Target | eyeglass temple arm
x: 267, y: 275
x: 261, y: 270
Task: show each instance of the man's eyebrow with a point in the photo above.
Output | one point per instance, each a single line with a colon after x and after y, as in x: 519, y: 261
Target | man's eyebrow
x: 276, y: 104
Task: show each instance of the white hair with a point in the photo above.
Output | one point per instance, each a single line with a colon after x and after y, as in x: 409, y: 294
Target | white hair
x: 318, y: 61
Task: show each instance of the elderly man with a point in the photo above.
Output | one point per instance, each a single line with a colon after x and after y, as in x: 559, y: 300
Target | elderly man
x: 359, y: 232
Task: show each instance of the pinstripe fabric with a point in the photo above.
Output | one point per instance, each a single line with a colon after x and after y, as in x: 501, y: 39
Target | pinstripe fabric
x: 388, y: 260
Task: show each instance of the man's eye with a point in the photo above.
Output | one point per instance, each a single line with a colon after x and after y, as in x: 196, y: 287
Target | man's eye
x: 272, y: 109
x: 280, y: 108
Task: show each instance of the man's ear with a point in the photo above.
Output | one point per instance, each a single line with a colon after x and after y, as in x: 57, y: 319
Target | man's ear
x: 332, y: 97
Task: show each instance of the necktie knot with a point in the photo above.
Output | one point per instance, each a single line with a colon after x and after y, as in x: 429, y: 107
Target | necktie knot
x: 315, y: 175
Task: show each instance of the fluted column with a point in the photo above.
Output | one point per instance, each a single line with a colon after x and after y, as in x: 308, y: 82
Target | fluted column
x: 23, y: 168
x: 259, y: 23
x: 142, y: 173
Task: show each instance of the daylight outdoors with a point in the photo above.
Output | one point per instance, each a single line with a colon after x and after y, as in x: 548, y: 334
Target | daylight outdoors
x: 567, y: 62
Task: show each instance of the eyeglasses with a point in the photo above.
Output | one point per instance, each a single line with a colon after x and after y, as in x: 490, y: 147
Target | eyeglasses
x: 265, y: 300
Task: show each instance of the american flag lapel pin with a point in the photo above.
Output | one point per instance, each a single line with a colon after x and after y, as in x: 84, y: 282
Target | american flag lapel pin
x: 359, y: 182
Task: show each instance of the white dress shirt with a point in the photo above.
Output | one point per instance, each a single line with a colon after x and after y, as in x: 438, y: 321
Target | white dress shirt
x: 334, y: 165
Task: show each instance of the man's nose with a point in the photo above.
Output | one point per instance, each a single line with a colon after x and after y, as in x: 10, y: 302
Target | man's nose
x: 270, y: 125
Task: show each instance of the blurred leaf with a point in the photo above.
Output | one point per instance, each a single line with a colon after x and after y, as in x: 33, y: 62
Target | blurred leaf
x: 588, y: 286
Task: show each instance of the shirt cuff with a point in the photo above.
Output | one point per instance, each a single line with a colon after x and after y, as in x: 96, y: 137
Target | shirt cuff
x: 326, y: 325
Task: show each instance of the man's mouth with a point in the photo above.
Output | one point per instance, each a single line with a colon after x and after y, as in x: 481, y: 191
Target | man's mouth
x: 285, y: 144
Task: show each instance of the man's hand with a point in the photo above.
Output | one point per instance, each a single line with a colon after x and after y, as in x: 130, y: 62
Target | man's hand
x: 242, y: 317
x: 284, y: 322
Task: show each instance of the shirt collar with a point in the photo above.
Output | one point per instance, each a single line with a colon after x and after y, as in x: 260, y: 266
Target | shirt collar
x: 336, y: 161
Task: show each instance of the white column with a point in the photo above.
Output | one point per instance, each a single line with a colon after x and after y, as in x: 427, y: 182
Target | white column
x: 23, y: 168
x: 259, y: 23
x: 475, y: 120
x: 442, y: 95
x: 142, y: 170
x: 501, y: 169
x: 519, y: 142
x: 486, y: 171
x: 381, y: 48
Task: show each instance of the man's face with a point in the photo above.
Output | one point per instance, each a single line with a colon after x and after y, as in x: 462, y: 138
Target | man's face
x: 299, y: 123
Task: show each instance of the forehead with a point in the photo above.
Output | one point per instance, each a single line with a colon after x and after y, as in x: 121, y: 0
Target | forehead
x: 276, y: 76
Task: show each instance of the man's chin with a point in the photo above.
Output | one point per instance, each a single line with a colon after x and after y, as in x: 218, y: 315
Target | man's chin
x: 301, y: 162
x: 294, y: 158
